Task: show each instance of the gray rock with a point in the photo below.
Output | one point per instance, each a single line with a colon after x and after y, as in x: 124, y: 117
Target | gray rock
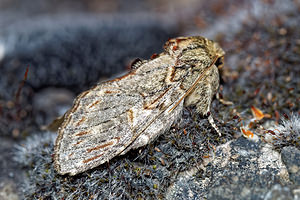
x: 291, y: 158
x: 240, y: 169
x: 8, y: 190
x: 279, y: 192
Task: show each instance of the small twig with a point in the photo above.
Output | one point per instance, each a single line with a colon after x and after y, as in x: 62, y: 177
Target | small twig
x: 18, y: 94
x: 21, y: 86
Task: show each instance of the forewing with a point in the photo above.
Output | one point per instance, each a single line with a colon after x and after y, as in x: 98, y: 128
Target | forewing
x: 90, y: 134
x: 109, y: 117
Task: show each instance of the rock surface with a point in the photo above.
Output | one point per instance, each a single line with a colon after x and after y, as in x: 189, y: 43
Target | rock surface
x: 291, y: 158
x: 240, y: 169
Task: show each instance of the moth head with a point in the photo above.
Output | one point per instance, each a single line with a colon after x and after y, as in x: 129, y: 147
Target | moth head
x: 194, y: 48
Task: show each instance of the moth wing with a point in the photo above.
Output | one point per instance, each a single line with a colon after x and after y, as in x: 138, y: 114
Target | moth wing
x: 90, y: 134
x: 106, y: 119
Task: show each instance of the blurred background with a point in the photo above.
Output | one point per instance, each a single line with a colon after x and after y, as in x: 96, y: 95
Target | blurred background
x: 64, y: 47
x: 52, y: 50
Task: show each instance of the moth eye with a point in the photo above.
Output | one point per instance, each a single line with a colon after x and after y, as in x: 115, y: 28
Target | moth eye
x: 219, y: 63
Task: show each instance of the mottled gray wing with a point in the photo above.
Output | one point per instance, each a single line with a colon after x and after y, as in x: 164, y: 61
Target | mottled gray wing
x: 106, y: 119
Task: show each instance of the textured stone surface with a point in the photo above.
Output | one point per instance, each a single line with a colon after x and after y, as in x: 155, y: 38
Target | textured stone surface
x: 8, y: 191
x: 240, y: 169
x: 291, y: 158
x: 278, y: 192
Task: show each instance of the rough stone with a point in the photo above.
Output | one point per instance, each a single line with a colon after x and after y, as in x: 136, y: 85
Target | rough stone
x: 8, y: 190
x: 291, y: 158
x: 240, y: 169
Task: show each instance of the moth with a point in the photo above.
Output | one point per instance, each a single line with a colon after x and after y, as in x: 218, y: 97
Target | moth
x: 128, y: 112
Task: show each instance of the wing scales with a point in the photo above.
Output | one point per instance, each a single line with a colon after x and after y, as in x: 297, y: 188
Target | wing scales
x: 118, y: 115
x: 107, y: 119
x: 110, y: 117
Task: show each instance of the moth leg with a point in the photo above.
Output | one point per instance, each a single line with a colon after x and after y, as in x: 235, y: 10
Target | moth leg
x: 202, y: 98
x: 212, y: 123
x: 203, y: 94
x: 203, y: 107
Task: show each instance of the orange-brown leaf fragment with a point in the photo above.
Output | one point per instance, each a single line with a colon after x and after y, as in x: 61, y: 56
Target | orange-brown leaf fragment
x: 257, y: 113
x: 247, y: 133
x: 205, y: 156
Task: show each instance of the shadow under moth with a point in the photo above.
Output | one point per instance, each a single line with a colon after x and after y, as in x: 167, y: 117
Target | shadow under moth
x: 128, y: 112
